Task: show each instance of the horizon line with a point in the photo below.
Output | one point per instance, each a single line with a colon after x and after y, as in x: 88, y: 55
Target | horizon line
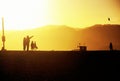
x: 55, y: 25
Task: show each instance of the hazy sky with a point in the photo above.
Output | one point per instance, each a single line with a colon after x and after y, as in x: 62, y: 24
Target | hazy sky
x: 24, y: 14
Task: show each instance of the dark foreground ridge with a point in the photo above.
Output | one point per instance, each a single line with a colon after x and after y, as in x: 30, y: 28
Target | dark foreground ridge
x: 59, y: 65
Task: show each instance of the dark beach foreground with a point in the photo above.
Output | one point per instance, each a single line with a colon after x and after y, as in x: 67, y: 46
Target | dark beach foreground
x: 59, y: 65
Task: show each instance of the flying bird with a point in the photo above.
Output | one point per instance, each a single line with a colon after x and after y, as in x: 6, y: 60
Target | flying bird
x: 108, y: 19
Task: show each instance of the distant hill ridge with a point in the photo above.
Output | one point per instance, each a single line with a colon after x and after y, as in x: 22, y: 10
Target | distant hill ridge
x: 61, y: 37
x: 94, y: 26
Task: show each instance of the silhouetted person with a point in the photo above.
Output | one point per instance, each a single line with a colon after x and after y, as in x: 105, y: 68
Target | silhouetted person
x: 24, y: 43
x: 28, y: 41
x: 32, y: 45
x: 35, y: 46
x: 111, y: 46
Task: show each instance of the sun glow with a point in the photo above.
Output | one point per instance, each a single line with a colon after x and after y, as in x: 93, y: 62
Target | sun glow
x: 27, y: 14
x: 24, y: 14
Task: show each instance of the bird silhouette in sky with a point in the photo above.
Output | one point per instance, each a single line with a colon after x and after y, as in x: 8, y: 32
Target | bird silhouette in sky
x: 108, y: 19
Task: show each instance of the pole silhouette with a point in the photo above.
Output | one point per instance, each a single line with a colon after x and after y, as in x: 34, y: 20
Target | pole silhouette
x: 3, y: 34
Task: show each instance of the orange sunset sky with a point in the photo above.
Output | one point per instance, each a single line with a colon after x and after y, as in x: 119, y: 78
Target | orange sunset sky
x: 26, y: 14
x: 30, y: 14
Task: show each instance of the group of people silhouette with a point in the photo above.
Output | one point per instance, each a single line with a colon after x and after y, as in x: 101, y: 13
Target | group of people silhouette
x: 26, y: 43
x: 33, y: 45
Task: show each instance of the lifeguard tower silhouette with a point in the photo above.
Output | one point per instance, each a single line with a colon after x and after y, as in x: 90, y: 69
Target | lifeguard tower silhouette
x: 82, y: 47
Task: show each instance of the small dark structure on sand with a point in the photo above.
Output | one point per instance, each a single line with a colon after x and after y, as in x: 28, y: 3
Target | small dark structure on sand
x: 82, y: 47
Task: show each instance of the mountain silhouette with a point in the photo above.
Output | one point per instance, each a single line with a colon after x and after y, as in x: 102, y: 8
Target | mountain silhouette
x: 61, y: 37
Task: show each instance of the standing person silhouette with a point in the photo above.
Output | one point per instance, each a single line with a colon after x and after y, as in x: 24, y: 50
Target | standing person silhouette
x: 28, y: 41
x: 24, y: 43
x: 111, y: 46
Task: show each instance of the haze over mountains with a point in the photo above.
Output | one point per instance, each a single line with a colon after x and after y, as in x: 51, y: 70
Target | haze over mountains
x: 55, y: 37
